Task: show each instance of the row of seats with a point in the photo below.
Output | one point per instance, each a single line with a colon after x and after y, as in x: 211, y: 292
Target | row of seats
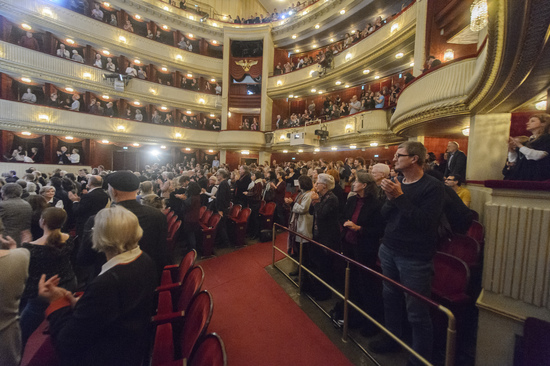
x: 182, y: 319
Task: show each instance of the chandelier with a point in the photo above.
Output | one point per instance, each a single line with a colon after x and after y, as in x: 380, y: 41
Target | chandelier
x: 479, y: 16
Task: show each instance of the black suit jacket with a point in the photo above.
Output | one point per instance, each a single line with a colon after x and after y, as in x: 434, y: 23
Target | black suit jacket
x: 457, y: 165
x: 371, y: 221
x: 90, y: 204
x: 108, y: 325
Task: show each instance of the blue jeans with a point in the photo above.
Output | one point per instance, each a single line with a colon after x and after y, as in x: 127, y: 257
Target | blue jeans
x: 416, y: 274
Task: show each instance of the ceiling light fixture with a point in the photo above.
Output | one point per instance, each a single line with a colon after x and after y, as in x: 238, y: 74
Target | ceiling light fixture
x: 294, y: 36
x: 399, y: 55
x: 137, y: 16
x: 178, y: 135
x: 26, y: 26
x: 343, y: 11
x: 69, y: 137
x: 69, y: 89
x: 26, y: 133
x: 317, y: 26
x: 69, y: 41
x: 26, y: 80
x: 374, y: 144
x: 106, y: 53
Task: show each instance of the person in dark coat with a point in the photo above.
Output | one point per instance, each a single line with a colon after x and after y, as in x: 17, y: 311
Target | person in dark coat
x: 190, y: 204
x: 326, y: 230
x: 108, y: 324
x: 89, y: 204
x: 456, y: 162
x: 363, y: 227
x: 222, y: 201
x: 241, y: 186
x: 123, y: 187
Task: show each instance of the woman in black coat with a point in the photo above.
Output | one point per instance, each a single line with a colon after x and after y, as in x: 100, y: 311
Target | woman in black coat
x: 326, y: 230
x: 108, y: 324
x: 363, y: 227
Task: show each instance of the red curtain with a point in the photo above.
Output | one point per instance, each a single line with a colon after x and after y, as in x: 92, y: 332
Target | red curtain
x: 237, y: 71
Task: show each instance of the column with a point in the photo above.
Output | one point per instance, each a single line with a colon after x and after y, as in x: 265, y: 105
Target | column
x: 420, y: 37
x: 487, y: 146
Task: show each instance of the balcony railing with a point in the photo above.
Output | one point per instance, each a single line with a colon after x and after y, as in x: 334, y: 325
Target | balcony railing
x: 17, y: 116
x: 368, y: 122
x: 446, y: 88
x: 59, y: 71
x: 59, y: 20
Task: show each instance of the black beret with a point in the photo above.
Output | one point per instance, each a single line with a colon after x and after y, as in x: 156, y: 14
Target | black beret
x: 123, y: 181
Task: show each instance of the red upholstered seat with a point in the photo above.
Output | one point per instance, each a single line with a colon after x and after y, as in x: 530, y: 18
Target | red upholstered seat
x: 209, y: 352
x: 205, y: 217
x: 202, y: 210
x: 183, y: 294
x: 238, y: 227
x: 173, y: 235
x: 163, y: 348
x: 262, y: 205
x: 175, y: 273
x: 235, y: 210
x: 477, y: 232
x: 266, y: 216
x: 462, y: 247
x: 169, y: 215
x: 197, y: 319
x: 171, y: 221
x: 451, y: 277
x: 209, y: 235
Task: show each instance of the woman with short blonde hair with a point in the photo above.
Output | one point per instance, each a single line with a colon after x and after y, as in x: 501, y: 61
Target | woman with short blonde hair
x: 116, y: 230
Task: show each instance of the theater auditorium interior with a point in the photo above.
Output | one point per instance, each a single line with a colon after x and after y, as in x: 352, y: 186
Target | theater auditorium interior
x: 302, y: 97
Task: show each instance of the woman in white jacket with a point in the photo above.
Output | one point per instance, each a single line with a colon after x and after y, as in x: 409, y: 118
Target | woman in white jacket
x: 301, y: 221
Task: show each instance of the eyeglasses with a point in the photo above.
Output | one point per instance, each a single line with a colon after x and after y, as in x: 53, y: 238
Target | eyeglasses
x: 397, y: 156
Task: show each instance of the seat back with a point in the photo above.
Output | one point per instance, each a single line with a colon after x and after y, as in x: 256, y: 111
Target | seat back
x: 197, y: 318
x: 165, y: 305
x: 173, y: 230
x: 206, y: 217
x: 170, y: 214
x: 462, y: 247
x: 262, y: 205
x: 243, y: 215
x: 192, y: 284
x: 476, y: 231
x: 202, y: 210
x: 235, y: 210
x: 451, y: 277
x: 171, y: 221
x: 163, y: 348
x: 186, y: 263
x: 214, y: 219
x: 269, y: 209
x: 209, y: 352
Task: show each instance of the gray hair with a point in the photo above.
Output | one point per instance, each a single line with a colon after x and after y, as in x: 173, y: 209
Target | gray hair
x: 326, y: 179
x: 223, y: 173
x: 116, y: 230
x: 31, y: 187
x: 383, y: 168
x: 12, y: 190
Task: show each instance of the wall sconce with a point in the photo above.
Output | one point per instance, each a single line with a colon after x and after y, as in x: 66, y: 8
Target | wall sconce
x: 279, y: 82
x: 178, y: 135
x: 104, y: 141
x: 187, y: 149
x: 163, y: 147
x: 316, y: 149
x: 348, y: 57
x: 43, y: 117
x: 179, y: 57
x: 466, y: 131
x: 448, y: 55
x: 334, y: 148
x: 349, y: 128
x: 282, y: 137
x: 374, y: 144
x: 245, y: 152
x: 122, y: 39
x: 135, y: 144
x: 26, y: 133
x: 87, y: 75
x: 69, y: 137
x: 47, y: 12
x: 353, y: 147
x: 229, y: 114
x: 120, y: 128
x: 394, y: 27
x: 285, y: 151
x: 201, y: 101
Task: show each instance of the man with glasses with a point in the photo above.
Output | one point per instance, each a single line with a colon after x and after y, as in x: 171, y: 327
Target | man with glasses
x: 413, y: 209
x: 455, y: 182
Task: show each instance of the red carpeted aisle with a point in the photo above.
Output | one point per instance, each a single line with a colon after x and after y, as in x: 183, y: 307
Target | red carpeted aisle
x: 259, y: 323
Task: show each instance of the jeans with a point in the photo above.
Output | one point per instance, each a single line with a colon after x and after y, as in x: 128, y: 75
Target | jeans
x: 31, y: 317
x: 416, y: 274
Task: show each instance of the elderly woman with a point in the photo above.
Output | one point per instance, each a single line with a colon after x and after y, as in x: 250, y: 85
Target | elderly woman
x: 48, y: 192
x: 326, y: 230
x: 108, y: 324
x: 210, y: 192
x: 363, y: 226
x: 530, y: 160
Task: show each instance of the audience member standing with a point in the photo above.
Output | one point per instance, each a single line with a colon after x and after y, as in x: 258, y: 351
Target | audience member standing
x: 456, y: 162
x: 326, y: 230
x: 123, y: 187
x: 413, y: 210
x: 15, y: 213
x: 88, y: 204
x: 222, y: 201
x: 14, y: 263
x: 241, y: 186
